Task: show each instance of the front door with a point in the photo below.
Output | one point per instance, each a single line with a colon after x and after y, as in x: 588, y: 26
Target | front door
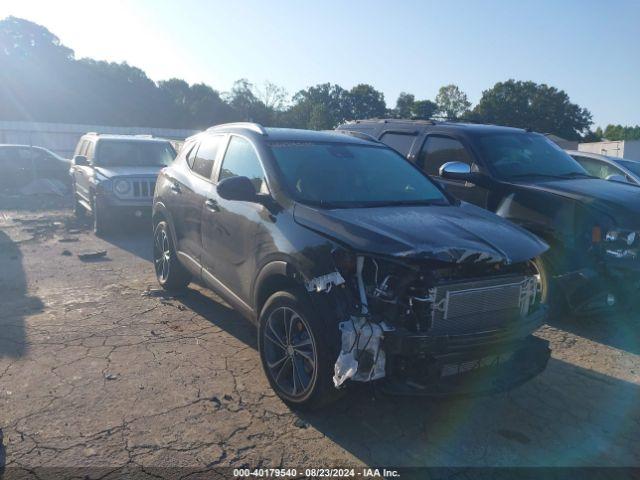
x: 230, y: 229
x: 438, y: 150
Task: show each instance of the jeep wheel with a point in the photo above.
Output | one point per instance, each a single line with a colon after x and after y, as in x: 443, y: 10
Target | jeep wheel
x: 101, y: 220
x: 78, y: 210
x: 170, y: 273
x: 294, y: 351
x: 550, y: 293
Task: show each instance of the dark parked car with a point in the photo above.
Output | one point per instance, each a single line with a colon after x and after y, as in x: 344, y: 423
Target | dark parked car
x: 353, y: 263
x: 115, y: 176
x: 608, y: 168
x: 592, y: 225
x: 21, y: 164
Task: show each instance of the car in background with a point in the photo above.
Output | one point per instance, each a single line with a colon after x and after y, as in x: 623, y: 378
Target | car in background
x: 115, y: 176
x: 332, y: 244
x: 21, y: 164
x: 608, y: 168
x: 592, y: 225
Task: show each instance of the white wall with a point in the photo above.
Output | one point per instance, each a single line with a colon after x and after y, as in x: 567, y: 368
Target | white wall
x: 62, y: 138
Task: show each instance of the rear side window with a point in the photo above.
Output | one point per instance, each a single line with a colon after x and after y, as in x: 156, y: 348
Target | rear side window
x: 597, y: 168
x: 437, y: 151
x: 241, y: 160
x: 400, y: 142
x: 205, y: 157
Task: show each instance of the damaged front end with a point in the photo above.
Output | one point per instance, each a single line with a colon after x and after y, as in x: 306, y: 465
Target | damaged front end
x: 428, y: 326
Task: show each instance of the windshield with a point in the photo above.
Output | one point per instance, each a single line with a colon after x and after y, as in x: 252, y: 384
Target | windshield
x: 633, y: 167
x: 521, y: 155
x: 119, y: 153
x: 335, y: 175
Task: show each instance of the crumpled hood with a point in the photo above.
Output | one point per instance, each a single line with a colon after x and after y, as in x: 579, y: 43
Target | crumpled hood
x: 616, y: 199
x: 110, y: 172
x: 455, y: 234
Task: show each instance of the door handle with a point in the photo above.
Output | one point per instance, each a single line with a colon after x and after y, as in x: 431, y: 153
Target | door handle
x: 212, y: 205
x: 175, y: 187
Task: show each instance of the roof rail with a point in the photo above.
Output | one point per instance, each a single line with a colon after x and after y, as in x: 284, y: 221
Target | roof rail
x: 360, y: 135
x: 143, y: 135
x: 92, y: 133
x: 256, y: 127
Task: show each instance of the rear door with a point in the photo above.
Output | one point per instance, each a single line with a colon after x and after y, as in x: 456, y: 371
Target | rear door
x: 439, y: 149
x: 193, y: 192
x: 82, y: 174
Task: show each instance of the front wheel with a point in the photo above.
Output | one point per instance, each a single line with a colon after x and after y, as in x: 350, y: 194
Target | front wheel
x: 101, y: 219
x: 549, y: 289
x: 170, y: 273
x: 294, y: 351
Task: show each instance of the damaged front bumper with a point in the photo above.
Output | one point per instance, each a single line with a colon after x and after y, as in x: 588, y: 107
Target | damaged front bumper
x: 465, y: 364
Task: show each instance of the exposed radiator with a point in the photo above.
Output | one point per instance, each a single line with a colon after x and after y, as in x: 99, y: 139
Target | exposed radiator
x: 480, y: 306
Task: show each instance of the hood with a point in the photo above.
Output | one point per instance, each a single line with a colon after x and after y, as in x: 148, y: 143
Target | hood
x: 110, y: 172
x: 616, y: 199
x: 453, y: 234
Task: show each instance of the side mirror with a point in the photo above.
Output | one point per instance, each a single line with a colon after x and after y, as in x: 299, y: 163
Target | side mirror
x: 80, y: 161
x: 237, y: 188
x: 616, y: 177
x: 456, y: 171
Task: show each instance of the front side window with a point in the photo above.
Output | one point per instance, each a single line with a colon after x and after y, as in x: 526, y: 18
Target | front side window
x: 631, y: 165
x: 437, y: 151
x: 524, y: 155
x: 241, y: 160
x: 125, y: 153
x: 202, y: 158
x: 338, y: 175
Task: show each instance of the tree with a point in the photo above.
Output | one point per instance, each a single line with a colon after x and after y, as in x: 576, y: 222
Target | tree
x: 320, y: 107
x: 619, y: 132
x: 423, y: 109
x: 452, y: 102
x: 366, y: 102
x: 404, y: 105
x: 531, y: 105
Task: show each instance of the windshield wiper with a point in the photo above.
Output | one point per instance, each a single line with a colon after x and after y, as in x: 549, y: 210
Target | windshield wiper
x: 529, y: 175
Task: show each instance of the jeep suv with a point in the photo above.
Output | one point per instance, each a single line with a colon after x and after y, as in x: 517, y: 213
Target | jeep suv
x: 115, y: 175
x: 592, y: 225
x: 354, y: 265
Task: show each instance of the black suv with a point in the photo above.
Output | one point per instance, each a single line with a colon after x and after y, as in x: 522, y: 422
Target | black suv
x: 354, y: 264
x: 592, y: 225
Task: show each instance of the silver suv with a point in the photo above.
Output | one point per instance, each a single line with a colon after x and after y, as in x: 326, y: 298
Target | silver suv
x: 115, y: 175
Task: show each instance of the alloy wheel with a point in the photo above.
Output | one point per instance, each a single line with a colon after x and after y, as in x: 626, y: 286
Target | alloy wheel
x: 290, y: 352
x: 162, y: 255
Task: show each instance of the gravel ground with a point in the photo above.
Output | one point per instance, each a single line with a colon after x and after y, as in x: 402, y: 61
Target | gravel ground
x: 98, y: 368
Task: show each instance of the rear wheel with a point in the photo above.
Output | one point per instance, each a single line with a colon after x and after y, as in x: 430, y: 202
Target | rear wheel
x: 294, y: 351
x: 170, y: 273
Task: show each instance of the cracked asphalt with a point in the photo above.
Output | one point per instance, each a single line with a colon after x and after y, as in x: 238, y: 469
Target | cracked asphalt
x: 99, y: 369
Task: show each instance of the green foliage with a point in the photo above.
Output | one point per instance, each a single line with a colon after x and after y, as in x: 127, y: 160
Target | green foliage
x: 530, y: 105
x: 366, y: 102
x: 619, y: 132
x: 408, y: 107
x: 452, y: 102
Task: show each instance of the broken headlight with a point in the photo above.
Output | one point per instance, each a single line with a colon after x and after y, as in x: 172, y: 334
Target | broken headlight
x: 619, y: 243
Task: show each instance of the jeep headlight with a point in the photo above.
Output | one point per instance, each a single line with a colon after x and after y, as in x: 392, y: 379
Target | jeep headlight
x: 122, y: 187
x: 628, y: 238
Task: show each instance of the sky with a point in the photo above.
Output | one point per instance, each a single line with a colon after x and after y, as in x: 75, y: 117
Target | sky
x: 588, y: 48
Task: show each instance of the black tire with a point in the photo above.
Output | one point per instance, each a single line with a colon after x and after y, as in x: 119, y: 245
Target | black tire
x: 78, y: 210
x: 171, y: 274
x: 551, y: 295
x: 101, y: 219
x: 288, y: 368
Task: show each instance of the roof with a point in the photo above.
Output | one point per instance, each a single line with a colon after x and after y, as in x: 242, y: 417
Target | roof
x: 407, y: 123
x: 134, y: 138
x: 289, y: 134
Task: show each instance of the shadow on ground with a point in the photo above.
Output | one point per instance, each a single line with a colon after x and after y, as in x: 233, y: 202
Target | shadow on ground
x: 15, y: 300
